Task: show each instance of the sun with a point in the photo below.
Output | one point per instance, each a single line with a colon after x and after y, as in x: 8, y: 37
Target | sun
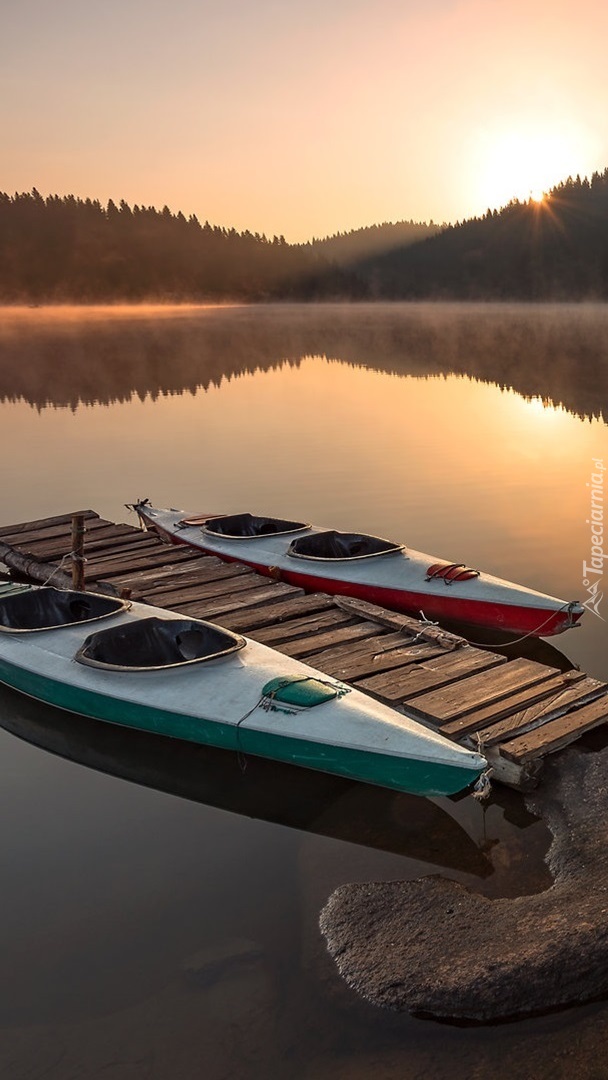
x: 524, y: 164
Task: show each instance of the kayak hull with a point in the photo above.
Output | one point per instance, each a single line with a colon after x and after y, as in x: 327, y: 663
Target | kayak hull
x: 222, y: 703
x: 489, y: 604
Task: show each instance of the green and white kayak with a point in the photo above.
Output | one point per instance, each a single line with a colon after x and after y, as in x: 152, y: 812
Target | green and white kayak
x: 155, y: 670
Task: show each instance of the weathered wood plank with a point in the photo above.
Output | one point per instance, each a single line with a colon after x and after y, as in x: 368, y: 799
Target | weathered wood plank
x: 49, y: 522
x: 22, y: 539
x: 367, y: 662
x: 301, y: 647
x: 585, y: 691
x: 545, y: 701
x: 213, y: 609
x: 115, y: 567
x: 363, y: 650
x: 206, y: 590
x: 521, y: 777
x: 382, y: 643
x: 186, y: 580
x: 249, y: 620
x: 399, y: 686
x: 452, y: 702
x: 557, y: 734
x: 208, y: 566
x: 397, y: 621
x: 295, y: 628
x: 111, y: 547
x: 94, y: 542
x: 149, y: 543
x: 511, y: 705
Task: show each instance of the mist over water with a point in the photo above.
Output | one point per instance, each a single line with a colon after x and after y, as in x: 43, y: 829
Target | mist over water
x: 465, y: 431
x: 67, y: 356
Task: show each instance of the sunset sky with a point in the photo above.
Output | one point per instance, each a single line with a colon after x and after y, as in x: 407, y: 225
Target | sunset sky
x: 303, y: 119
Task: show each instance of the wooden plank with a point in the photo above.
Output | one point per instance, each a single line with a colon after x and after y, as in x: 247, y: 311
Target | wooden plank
x: 521, y: 777
x: 397, y: 621
x: 381, y: 644
x: 49, y: 549
x: 312, y: 624
x: 112, y: 546
x: 116, y: 567
x: 42, y: 523
x: 192, y: 573
x: 557, y: 733
x: 249, y: 620
x: 213, y: 609
x: 528, y: 708
x: 149, y: 544
x: 451, y: 702
x: 585, y: 691
x: 205, y: 590
x: 301, y: 647
x: 399, y: 686
x: 22, y: 539
x: 208, y: 566
x: 362, y: 650
x: 366, y: 662
x: 181, y: 580
x: 511, y: 705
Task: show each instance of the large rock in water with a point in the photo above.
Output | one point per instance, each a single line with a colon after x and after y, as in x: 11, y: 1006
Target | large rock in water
x: 433, y: 947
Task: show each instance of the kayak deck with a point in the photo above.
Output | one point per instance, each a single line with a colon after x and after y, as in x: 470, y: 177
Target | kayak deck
x: 519, y: 709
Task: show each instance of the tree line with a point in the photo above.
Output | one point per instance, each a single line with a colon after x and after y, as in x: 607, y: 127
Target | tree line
x: 67, y: 248
x: 70, y: 249
x: 556, y: 249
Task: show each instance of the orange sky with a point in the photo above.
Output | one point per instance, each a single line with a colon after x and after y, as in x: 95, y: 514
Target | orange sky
x: 303, y: 119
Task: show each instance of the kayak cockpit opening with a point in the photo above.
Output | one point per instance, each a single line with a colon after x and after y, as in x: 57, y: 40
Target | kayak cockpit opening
x: 248, y: 526
x: 47, y: 608
x: 155, y: 644
x: 341, y: 546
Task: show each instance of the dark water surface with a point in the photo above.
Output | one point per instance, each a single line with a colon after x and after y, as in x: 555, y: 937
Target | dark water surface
x: 159, y: 908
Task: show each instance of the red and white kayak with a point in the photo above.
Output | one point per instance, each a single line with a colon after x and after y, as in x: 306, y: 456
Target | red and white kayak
x: 366, y: 567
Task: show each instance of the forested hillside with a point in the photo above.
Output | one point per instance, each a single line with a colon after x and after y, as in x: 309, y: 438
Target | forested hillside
x: 59, y: 249
x: 556, y: 249
x: 70, y: 249
x: 347, y: 248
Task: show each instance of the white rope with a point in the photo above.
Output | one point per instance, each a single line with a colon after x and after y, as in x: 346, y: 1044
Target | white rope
x: 531, y: 633
x: 483, y: 787
x: 70, y: 555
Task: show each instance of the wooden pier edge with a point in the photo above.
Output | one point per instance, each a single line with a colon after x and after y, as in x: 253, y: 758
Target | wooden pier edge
x: 515, y: 712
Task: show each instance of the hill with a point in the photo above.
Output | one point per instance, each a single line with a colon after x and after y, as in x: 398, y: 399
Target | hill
x: 62, y: 249
x: 553, y: 250
x: 348, y: 248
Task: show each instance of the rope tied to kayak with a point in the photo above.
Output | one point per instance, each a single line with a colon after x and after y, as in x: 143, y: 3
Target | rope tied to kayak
x: 482, y: 787
x: 568, y: 606
x: 270, y: 701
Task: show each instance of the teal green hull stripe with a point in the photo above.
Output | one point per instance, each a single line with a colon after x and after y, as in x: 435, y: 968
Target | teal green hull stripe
x: 400, y: 773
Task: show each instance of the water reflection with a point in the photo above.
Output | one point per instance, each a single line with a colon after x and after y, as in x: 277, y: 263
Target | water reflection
x: 299, y: 798
x: 63, y: 357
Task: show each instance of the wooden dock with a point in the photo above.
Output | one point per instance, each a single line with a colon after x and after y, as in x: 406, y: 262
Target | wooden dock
x: 516, y: 711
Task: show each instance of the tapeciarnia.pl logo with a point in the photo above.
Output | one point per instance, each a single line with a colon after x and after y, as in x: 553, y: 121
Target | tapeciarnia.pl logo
x: 593, y: 570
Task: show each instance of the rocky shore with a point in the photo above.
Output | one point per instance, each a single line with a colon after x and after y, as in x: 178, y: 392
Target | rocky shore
x: 433, y: 947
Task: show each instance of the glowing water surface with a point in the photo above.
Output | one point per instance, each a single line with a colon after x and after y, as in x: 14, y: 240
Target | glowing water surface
x: 171, y: 929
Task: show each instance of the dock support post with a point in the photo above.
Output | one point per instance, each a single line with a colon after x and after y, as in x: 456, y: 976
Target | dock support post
x: 78, y: 552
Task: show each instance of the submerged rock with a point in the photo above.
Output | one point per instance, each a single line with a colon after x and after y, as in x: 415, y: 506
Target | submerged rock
x: 212, y: 963
x: 433, y: 947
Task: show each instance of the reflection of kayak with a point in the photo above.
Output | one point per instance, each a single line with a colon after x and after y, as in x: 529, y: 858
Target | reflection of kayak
x: 368, y: 568
x: 270, y: 791
x: 151, y: 669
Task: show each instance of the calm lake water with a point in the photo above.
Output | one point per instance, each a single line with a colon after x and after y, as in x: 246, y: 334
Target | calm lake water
x: 159, y: 909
